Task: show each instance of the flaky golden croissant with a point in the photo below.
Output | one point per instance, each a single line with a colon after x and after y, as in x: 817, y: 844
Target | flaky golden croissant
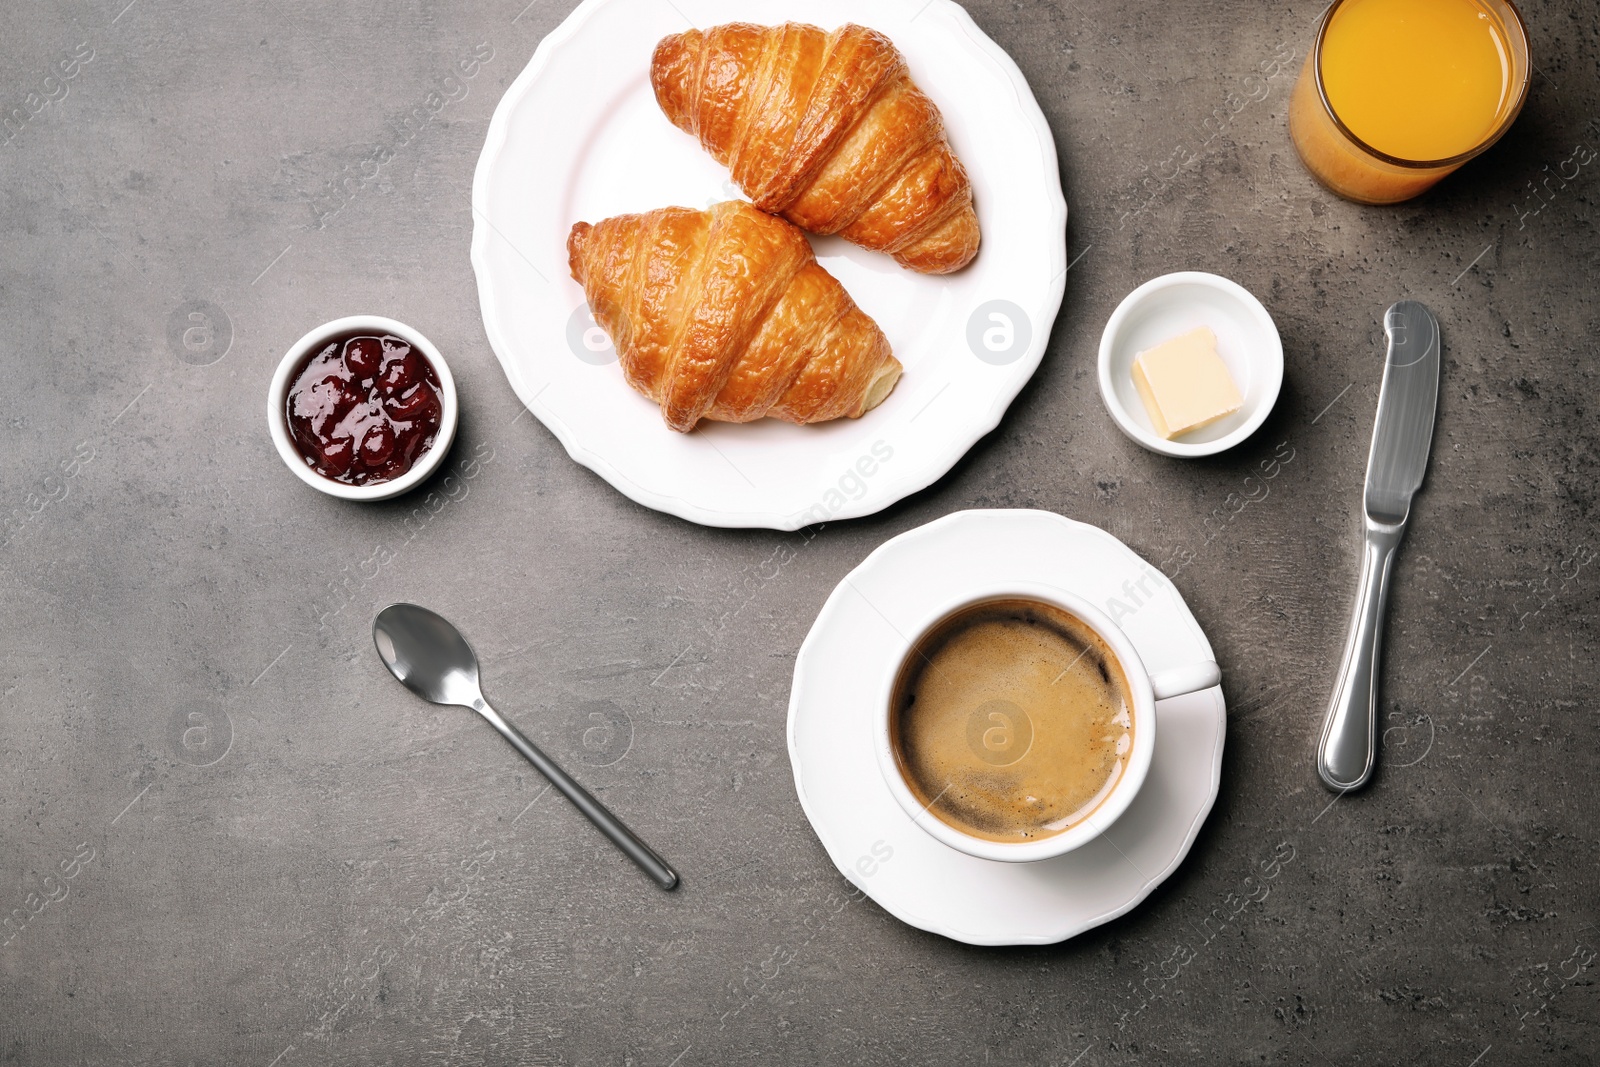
x: 826, y: 129
x: 724, y: 314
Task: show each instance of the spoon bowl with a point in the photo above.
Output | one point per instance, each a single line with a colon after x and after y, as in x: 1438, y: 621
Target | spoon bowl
x: 427, y: 654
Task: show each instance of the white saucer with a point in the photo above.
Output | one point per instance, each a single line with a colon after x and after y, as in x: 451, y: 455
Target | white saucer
x: 579, y: 136
x: 871, y: 839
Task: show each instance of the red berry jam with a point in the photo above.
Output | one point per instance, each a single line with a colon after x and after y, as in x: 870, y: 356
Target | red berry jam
x: 364, y: 409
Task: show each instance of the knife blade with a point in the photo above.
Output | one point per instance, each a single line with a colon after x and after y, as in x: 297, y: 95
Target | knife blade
x: 1402, y: 434
x: 1402, y: 437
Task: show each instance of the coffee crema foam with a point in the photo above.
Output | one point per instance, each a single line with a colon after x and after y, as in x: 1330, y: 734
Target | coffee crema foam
x: 1011, y: 720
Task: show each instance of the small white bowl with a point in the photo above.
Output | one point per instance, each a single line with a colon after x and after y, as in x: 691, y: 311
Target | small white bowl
x: 1162, y: 308
x: 301, y: 350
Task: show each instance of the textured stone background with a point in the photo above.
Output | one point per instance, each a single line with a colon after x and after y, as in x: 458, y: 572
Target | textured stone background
x: 227, y: 836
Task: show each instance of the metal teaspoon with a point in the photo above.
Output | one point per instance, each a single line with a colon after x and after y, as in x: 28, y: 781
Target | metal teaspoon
x: 433, y: 660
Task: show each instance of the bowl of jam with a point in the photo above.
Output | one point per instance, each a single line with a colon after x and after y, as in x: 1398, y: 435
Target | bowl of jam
x: 363, y: 408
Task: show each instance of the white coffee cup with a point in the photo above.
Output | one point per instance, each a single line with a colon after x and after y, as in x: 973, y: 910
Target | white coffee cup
x: 1144, y: 689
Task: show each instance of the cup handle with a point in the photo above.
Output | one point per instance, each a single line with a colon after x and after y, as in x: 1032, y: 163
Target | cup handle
x: 1190, y: 678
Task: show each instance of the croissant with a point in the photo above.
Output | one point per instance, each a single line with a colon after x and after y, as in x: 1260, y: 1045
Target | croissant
x: 827, y: 130
x: 725, y: 314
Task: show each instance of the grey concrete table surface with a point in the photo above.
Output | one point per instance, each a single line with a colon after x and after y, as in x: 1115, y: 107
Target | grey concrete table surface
x: 226, y: 835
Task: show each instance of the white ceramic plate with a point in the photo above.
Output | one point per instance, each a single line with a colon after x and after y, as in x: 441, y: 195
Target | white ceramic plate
x: 871, y: 839
x: 579, y: 137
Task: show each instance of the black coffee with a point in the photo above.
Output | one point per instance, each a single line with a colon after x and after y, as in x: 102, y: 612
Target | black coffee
x: 1011, y: 720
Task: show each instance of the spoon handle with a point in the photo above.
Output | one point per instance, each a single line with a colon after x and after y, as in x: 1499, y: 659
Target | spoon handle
x: 598, y: 813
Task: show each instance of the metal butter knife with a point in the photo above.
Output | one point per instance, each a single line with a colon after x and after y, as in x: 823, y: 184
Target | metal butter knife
x: 1401, y: 438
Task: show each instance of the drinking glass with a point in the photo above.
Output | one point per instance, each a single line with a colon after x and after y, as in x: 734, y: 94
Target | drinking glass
x: 1357, y: 171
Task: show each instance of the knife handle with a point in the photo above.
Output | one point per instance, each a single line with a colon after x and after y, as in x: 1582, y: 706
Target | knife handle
x: 1346, y: 753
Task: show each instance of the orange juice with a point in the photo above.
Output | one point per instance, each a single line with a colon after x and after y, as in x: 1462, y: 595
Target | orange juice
x: 1398, y: 93
x: 1417, y: 79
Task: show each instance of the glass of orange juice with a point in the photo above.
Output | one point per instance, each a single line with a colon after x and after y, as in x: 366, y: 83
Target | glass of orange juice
x: 1398, y: 93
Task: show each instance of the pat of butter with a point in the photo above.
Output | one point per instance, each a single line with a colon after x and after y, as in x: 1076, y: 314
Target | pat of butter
x: 1184, y: 383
